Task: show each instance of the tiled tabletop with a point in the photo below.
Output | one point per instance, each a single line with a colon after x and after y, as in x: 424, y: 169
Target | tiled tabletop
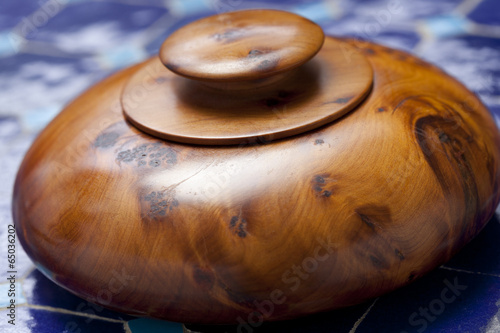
x: 51, y: 50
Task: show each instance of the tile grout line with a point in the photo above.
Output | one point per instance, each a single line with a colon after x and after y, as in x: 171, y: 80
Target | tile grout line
x: 425, y: 37
x: 81, y: 314
x: 358, y: 322
x: 126, y: 327
x: 21, y: 281
x: 65, y: 311
x: 469, y: 272
x: 27, y: 273
x: 475, y: 29
x: 484, y: 30
x: 466, y: 7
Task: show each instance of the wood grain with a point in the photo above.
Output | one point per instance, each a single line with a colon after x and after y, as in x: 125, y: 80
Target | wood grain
x: 172, y: 107
x: 242, y: 45
x: 317, y: 221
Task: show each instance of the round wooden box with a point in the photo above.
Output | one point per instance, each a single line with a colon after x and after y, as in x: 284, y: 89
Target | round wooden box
x: 257, y: 167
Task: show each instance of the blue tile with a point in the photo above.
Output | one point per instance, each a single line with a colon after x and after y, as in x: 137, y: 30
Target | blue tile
x: 483, y: 253
x: 318, y: 11
x: 13, y: 64
x: 34, y: 87
x: 9, y: 293
x: 495, y: 110
x: 379, y: 22
x: 402, y: 40
x: 445, y: 26
x: 174, y: 23
x: 193, y: 7
x: 443, y: 301
x: 12, y: 13
x: 30, y: 24
x: 29, y: 320
x: 129, y: 18
x: 338, y: 321
x: 35, y: 120
x: 9, y: 167
x: 9, y: 127
x: 122, y: 56
x: 401, y: 10
x: 97, y: 27
x: 41, y: 291
x: 487, y: 12
x: 472, y: 60
x: 146, y: 325
x: 481, y: 42
x: 10, y: 43
x: 280, y: 3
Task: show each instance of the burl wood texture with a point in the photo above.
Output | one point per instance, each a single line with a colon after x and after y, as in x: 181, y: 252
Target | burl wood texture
x: 317, y: 221
x: 241, y: 45
x: 172, y: 107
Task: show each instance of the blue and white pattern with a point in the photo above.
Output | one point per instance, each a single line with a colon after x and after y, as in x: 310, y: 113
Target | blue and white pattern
x: 51, y: 50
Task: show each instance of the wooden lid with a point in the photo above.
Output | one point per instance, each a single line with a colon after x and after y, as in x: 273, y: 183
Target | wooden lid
x: 240, y: 76
x: 243, y: 45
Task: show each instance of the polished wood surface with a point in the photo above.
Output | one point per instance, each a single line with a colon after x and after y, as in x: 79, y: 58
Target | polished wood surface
x: 172, y: 107
x: 217, y: 234
x: 241, y: 45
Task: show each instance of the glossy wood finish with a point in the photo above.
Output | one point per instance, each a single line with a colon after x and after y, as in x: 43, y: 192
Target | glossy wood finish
x: 211, y: 234
x: 172, y: 107
x: 241, y: 46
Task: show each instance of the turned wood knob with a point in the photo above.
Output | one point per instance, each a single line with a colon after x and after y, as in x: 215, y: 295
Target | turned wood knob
x: 241, y: 46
